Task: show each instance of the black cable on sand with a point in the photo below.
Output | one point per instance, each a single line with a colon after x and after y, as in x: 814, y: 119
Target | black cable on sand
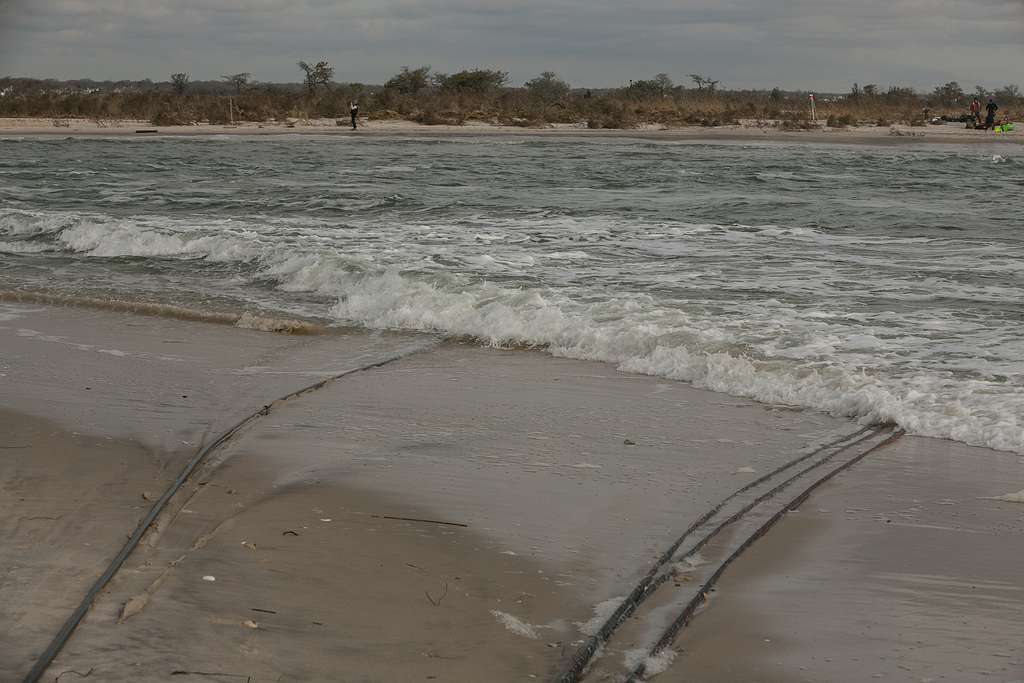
x: 677, y: 625
x: 61, y: 639
x: 581, y: 659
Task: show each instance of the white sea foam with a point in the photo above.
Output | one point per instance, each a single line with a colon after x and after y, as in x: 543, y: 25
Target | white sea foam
x: 975, y: 413
x: 653, y: 665
x: 16, y: 223
x: 520, y: 628
x: 128, y: 240
x: 1012, y: 497
x: 602, y: 611
x: 24, y: 247
x: 876, y: 366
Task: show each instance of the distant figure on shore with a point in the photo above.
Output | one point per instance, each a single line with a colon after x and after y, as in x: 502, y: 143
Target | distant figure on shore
x: 976, y: 111
x: 354, y: 112
x: 991, y: 108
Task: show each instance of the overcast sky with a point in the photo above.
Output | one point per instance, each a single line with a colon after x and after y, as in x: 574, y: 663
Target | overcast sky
x: 794, y: 44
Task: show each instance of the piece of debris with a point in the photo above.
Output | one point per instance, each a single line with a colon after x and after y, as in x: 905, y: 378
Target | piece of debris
x: 249, y: 623
x: 289, y: 532
x: 629, y: 442
x: 181, y: 672
x: 744, y: 470
x: 416, y: 519
x: 209, y: 578
x: 134, y: 605
x: 146, y: 495
x: 265, y: 611
x: 72, y: 671
x: 515, y: 625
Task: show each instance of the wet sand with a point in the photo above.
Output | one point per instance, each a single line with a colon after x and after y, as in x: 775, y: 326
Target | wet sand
x: 902, y: 569
x: 68, y: 500
x: 873, y: 135
x: 109, y: 407
x: 455, y: 514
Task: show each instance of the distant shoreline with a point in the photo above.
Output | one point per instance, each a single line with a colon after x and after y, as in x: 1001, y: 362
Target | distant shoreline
x: 872, y: 135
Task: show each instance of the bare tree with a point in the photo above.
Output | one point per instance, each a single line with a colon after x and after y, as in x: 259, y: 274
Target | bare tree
x: 317, y: 74
x: 239, y: 81
x: 664, y: 83
x: 179, y: 82
x: 1008, y: 92
x: 949, y: 95
x: 703, y: 82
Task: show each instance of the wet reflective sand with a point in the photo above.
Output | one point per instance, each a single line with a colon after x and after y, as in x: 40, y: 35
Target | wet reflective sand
x: 459, y: 514
x: 903, y: 569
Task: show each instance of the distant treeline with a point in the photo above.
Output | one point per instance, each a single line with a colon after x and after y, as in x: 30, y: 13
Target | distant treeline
x: 418, y: 94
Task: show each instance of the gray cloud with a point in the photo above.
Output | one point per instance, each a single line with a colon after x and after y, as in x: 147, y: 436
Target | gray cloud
x: 818, y: 44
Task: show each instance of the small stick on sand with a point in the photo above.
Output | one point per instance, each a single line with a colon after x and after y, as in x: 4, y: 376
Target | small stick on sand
x: 437, y: 602
x: 414, y: 519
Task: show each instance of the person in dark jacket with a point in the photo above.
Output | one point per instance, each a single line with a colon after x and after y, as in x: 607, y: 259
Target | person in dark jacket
x: 991, y: 108
x: 354, y: 112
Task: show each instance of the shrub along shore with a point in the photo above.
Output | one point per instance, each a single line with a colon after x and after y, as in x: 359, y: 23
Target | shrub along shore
x: 417, y: 94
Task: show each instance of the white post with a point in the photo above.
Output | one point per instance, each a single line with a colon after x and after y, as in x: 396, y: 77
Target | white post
x: 814, y: 115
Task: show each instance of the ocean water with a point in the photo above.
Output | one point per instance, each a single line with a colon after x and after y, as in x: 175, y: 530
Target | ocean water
x: 875, y: 282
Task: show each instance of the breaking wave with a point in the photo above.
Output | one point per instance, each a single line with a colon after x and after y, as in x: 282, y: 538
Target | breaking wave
x: 835, y: 362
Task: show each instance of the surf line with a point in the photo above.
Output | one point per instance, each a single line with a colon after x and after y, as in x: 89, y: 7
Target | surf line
x: 660, y: 572
x: 64, y: 634
x: 244, y: 320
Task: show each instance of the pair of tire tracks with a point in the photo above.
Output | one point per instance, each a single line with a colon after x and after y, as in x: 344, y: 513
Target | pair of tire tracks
x: 708, y: 526
x: 751, y: 510
x: 67, y: 629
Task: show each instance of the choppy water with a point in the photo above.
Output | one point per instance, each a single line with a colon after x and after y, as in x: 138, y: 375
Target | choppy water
x: 874, y: 282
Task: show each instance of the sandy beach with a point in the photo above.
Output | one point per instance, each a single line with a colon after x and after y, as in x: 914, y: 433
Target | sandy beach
x: 436, y: 510
x: 952, y: 133
x: 896, y: 571
x: 357, y: 342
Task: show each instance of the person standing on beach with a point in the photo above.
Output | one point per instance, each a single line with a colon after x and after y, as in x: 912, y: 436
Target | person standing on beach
x: 991, y: 108
x: 976, y: 112
x: 354, y: 112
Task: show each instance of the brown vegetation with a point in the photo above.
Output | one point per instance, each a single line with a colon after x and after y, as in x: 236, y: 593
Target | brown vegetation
x: 416, y: 94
